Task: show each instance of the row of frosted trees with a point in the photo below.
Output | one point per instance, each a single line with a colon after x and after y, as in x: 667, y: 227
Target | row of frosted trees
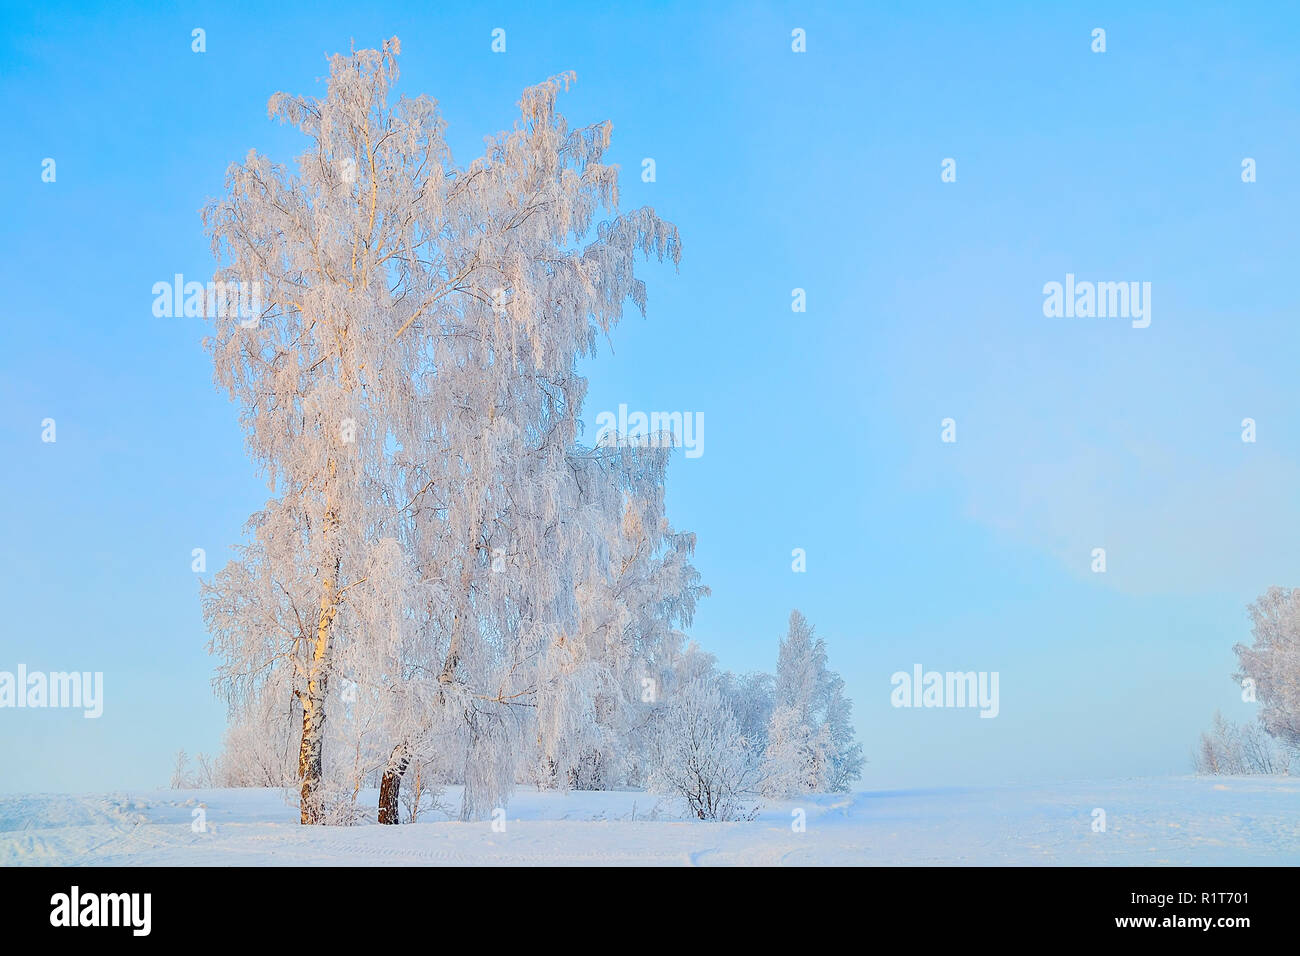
x: 444, y: 584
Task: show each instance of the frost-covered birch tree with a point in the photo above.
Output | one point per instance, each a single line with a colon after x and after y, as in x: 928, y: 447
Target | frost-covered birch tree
x: 1271, y: 663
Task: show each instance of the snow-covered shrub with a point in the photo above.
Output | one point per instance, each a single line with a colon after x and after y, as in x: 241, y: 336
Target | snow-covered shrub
x: 339, y: 807
x: 180, y: 771
x: 259, y: 749
x: 1232, y: 749
x: 199, y: 775
x: 700, y: 755
x: 422, y: 791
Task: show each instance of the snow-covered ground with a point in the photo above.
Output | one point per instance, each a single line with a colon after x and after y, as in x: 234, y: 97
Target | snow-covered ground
x: 1183, y: 820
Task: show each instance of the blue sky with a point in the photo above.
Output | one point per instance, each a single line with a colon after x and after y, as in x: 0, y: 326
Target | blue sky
x: 818, y: 170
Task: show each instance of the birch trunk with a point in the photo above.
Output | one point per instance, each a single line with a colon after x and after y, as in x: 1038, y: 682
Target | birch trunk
x: 310, y: 768
x: 391, y: 785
